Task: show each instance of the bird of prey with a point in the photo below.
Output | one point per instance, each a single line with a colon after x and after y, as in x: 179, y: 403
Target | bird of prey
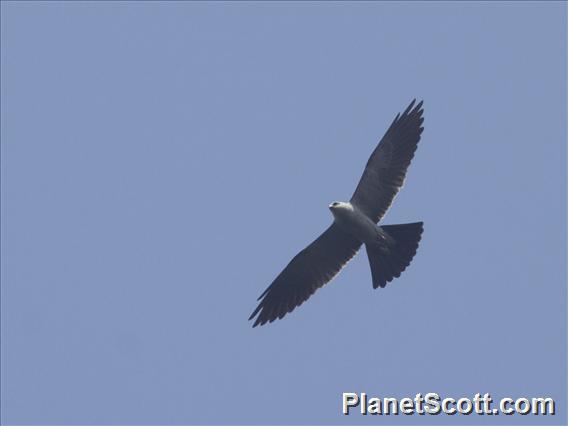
x: 390, y: 248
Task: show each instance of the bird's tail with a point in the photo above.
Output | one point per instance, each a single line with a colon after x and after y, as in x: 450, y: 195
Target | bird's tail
x: 389, y: 259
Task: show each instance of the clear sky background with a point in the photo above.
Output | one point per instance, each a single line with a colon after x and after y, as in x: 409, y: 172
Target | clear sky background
x: 162, y: 162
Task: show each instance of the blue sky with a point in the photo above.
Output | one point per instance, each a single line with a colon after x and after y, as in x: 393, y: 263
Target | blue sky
x: 162, y: 162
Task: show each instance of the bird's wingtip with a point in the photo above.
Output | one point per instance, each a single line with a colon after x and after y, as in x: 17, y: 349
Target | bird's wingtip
x: 258, y: 308
x: 408, y: 108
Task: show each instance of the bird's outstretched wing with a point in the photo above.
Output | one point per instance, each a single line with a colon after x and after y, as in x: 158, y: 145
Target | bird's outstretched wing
x: 386, y: 169
x: 313, y: 267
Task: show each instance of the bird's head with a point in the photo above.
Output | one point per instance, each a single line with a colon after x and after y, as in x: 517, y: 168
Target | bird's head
x: 334, y: 205
x: 339, y: 205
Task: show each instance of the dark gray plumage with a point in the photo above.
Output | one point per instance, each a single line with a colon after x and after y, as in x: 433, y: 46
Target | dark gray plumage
x: 390, y: 248
x: 386, y: 169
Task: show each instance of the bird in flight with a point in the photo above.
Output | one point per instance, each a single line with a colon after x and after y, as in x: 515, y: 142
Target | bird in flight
x: 390, y: 248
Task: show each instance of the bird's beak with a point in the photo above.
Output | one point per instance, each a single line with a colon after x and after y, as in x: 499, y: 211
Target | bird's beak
x: 330, y: 206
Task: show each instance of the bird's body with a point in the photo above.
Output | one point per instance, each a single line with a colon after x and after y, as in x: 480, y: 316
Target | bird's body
x: 354, y: 222
x: 390, y: 248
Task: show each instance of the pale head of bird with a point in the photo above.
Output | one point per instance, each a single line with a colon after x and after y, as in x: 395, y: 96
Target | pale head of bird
x: 339, y: 207
x: 334, y: 205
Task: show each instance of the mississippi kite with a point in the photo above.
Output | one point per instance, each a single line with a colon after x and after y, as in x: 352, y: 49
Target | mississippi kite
x: 390, y: 248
